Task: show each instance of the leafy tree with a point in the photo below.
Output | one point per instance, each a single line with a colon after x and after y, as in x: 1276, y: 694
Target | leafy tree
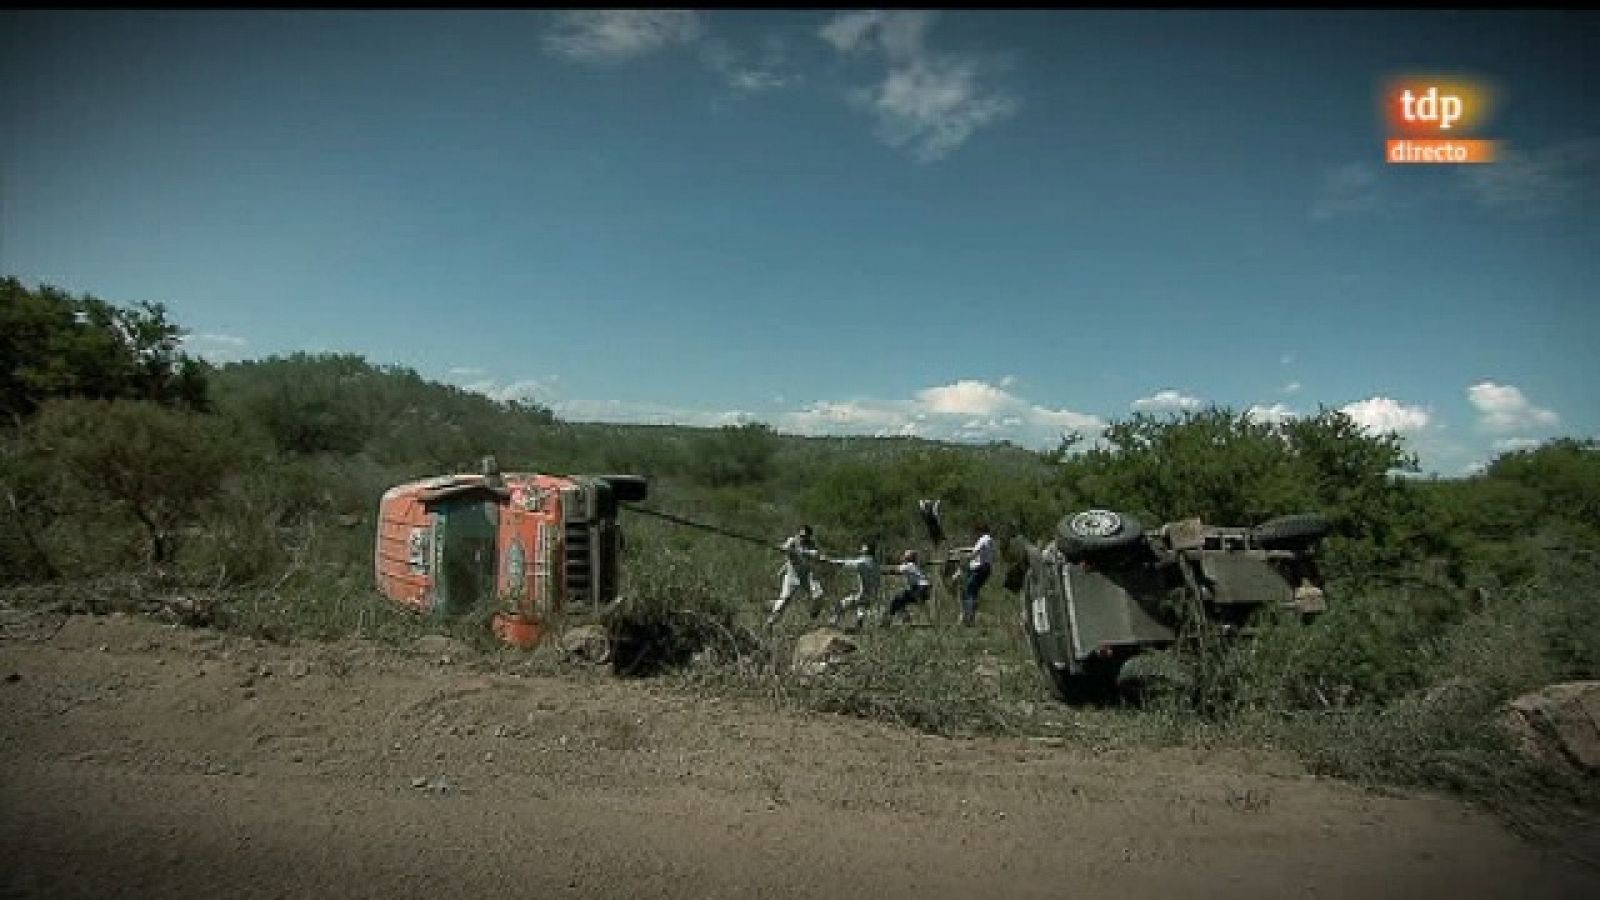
x: 1564, y: 474
x: 734, y: 455
x: 863, y: 500
x: 341, y: 404
x: 1227, y: 467
x: 155, y: 464
x: 55, y: 345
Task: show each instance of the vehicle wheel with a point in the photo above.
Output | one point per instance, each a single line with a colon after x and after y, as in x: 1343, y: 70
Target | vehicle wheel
x: 628, y: 488
x: 1299, y: 529
x: 1153, y: 675
x: 1097, y: 529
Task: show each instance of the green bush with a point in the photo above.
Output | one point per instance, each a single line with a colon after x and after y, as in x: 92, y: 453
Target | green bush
x: 733, y: 455
x: 152, y: 465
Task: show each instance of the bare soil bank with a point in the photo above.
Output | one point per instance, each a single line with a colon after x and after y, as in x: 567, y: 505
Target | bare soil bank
x: 145, y: 761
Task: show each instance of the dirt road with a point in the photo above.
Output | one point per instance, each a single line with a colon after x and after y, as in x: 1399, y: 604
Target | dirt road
x: 145, y: 761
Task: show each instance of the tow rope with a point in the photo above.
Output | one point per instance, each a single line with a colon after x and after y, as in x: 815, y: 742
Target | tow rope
x: 679, y: 520
x: 771, y: 545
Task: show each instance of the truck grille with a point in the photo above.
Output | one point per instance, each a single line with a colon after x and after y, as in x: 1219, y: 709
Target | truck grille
x: 577, y: 566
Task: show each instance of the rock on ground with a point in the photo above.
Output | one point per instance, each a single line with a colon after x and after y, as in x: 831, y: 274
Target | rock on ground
x: 589, y: 643
x: 440, y: 647
x: 1561, y: 721
x: 815, y: 651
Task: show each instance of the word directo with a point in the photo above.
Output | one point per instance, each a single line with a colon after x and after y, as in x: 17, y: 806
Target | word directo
x: 1433, y: 120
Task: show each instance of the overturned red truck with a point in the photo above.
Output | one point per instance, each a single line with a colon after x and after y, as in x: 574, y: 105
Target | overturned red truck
x: 536, y: 546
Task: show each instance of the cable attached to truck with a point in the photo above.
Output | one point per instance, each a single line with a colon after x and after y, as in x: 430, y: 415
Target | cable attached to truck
x: 679, y: 520
x: 771, y: 545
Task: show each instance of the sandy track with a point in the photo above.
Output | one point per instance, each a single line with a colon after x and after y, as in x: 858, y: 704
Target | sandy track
x: 144, y: 761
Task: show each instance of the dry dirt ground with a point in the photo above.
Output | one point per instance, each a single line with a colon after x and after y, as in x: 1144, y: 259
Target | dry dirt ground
x: 140, y: 760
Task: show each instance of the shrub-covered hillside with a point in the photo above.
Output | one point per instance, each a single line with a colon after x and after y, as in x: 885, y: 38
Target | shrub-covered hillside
x: 131, y: 473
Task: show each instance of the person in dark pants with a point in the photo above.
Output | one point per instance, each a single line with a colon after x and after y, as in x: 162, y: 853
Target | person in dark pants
x: 978, y: 569
x: 917, y: 589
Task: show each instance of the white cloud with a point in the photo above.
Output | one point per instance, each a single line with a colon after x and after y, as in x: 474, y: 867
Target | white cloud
x: 617, y: 35
x: 852, y: 417
x: 965, y: 397
x: 1165, y: 401
x: 1286, y: 359
x: 1513, y: 445
x: 1049, y: 424
x: 1540, y: 183
x: 1009, y: 381
x: 645, y: 413
x: 1503, y: 408
x: 1383, y: 415
x: 1292, y: 387
x: 964, y: 410
x: 1276, y: 414
x: 1350, y: 189
x: 751, y: 72
x: 848, y: 32
x: 931, y: 103
x: 465, y: 371
x: 522, y: 390
x: 214, y: 347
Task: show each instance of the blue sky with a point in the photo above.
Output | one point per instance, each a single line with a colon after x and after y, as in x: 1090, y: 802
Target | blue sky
x: 963, y: 225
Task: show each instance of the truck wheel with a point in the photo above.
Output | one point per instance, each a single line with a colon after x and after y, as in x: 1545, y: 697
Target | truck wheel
x: 1299, y: 529
x: 1153, y: 675
x: 1097, y: 529
x: 628, y: 488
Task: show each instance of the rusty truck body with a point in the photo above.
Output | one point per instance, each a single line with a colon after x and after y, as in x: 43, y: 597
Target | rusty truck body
x: 535, y: 546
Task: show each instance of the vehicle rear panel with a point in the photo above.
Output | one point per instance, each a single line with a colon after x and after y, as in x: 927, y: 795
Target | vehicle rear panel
x: 1119, y: 610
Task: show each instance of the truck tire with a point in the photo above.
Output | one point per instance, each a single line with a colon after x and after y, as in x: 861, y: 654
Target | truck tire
x: 628, y: 488
x: 1096, y: 530
x: 1153, y: 675
x: 1093, y: 685
x: 1293, y: 530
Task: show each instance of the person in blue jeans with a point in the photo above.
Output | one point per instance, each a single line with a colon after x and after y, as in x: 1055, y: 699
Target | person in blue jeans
x: 978, y: 569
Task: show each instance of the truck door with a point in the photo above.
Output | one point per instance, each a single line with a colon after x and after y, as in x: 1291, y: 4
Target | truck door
x: 466, y: 572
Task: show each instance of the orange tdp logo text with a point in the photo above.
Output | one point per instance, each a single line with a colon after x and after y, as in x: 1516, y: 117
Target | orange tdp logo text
x: 1435, y: 120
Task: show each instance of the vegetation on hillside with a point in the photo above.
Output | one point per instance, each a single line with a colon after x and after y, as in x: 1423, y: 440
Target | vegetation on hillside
x: 132, y: 474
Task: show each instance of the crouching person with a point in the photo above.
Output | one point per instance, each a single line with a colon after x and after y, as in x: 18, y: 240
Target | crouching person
x: 917, y: 590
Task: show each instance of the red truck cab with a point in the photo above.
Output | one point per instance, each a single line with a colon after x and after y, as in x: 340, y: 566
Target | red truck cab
x: 535, y: 546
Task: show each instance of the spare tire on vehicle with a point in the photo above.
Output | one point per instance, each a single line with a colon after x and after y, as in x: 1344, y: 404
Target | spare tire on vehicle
x: 1095, y: 530
x: 1297, y: 530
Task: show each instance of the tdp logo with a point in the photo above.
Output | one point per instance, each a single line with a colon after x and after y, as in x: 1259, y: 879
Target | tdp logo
x: 1444, y: 111
x: 1433, y: 120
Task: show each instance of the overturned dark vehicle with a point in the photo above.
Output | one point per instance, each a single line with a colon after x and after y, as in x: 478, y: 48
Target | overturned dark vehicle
x: 1104, y: 593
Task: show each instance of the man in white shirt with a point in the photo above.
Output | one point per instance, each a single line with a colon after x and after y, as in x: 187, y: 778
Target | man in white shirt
x: 868, y: 580
x: 799, y: 552
x: 978, y: 569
